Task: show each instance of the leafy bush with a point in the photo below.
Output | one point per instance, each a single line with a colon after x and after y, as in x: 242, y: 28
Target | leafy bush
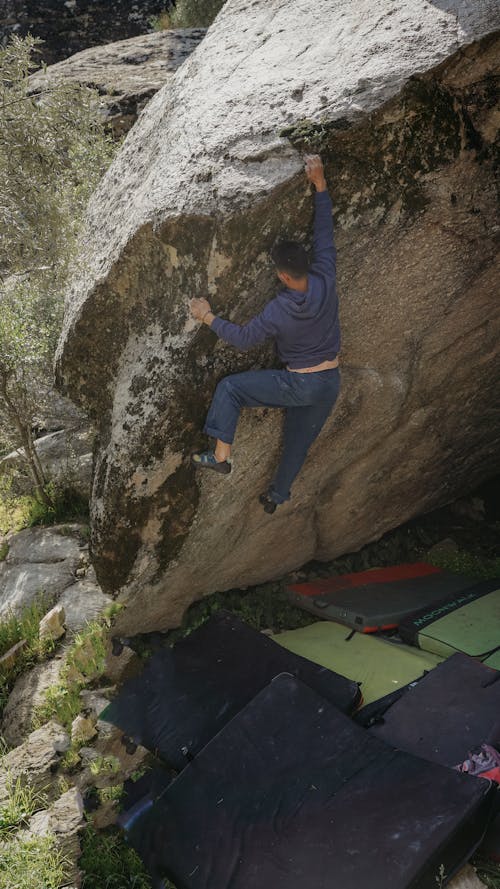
x: 195, y: 13
x: 160, y: 22
x: 64, y: 504
x: 53, y: 151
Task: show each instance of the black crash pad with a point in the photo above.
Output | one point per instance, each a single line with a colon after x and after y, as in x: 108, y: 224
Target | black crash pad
x: 187, y: 693
x: 291, y: 794
x: 444, y: 715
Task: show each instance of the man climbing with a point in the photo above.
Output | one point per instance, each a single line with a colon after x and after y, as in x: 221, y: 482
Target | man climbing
x: 303, y: 321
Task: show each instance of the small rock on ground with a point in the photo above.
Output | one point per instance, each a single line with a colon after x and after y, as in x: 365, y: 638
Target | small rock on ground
x: 52, y: 624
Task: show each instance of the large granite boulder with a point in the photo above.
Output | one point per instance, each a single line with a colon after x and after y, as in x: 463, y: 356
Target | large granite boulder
x: 400, y: 99
x: 68, y: 26
x: 125, y: 73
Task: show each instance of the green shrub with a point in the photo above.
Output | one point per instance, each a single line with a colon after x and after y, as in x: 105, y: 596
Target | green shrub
x: 262, y: 607
x: 64, y: 504
x: 53, y: 151
x: 195, y: 13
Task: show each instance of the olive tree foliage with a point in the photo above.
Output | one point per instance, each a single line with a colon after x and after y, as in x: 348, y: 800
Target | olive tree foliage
x: 53, y: 150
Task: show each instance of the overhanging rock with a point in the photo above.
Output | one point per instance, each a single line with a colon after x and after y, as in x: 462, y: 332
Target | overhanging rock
x: 399, y: 97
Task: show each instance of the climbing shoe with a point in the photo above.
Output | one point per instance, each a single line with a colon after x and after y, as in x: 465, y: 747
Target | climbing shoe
x: 206, y: 460
x: 268, y: 504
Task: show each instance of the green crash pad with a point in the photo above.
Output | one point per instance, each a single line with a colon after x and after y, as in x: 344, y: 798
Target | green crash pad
x: 468, y: 622
x: 380, y: 666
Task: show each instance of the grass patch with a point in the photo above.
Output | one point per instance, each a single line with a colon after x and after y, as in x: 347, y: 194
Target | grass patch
x: 32, y: 864
x: 104, y: 765
x: 70, y: 762
x: 113, y: 793
x: 108, y: 863
x: 4, y: 549
x: 23, y: 801
x: 13, y: 630
x: 85, y: 663
x: 25, y: 511
x: 14, y: 513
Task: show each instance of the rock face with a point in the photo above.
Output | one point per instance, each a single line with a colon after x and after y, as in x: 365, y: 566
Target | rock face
x: 399, y: 97
x: 52, y: 562
x: 68, y: 26
x: 83, y: 601
x: 39, y: 562
x: 126, y: 73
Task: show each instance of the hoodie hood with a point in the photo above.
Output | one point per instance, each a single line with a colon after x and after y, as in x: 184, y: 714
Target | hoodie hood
x: 300, y: 304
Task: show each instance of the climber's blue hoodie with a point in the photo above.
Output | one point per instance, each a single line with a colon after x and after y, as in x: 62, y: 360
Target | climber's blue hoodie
x: 305, y: 326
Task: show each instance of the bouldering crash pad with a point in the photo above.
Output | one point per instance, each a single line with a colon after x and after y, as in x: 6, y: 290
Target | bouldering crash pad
x: 292, y: 794
x: 468, y: 621
x: 187, y: 693
x: 453, y: 709
x: 378, y: 665
x: 376, y: 599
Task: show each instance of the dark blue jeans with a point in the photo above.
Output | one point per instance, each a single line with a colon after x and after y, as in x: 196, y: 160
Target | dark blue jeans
x: 308, y: 399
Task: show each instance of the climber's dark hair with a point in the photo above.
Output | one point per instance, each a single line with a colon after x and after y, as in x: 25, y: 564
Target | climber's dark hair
x: 290, y: 257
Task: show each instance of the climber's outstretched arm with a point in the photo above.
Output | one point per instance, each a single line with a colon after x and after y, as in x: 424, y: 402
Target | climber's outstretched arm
x: 324, y: 252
